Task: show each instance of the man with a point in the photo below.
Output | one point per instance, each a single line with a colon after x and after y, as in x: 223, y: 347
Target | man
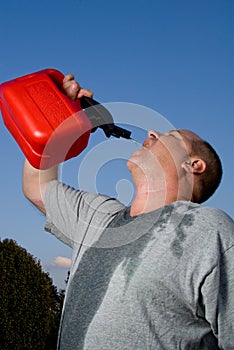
x: 157, y: 275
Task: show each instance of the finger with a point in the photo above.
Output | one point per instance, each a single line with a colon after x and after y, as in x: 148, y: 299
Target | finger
x: 85, y: 92
x: 68, y: 77
x: 71, y: 88
x: 70, y: 83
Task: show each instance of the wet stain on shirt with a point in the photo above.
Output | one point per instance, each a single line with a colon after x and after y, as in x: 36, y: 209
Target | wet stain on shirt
x: 177, y: 245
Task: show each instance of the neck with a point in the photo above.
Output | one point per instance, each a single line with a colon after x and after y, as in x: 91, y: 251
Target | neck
x: 149, y: 198
x: 145, y: 202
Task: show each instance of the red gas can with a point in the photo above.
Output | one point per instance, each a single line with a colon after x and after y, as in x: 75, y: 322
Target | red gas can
x: 47, y: 125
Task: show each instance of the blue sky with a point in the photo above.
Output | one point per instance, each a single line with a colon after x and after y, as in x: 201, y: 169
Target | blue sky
x: 172, y: 57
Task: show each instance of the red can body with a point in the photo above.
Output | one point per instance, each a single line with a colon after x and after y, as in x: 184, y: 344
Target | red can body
x: 47, y: 125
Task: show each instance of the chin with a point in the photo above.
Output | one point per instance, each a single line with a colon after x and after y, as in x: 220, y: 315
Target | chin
x: 131, y: 164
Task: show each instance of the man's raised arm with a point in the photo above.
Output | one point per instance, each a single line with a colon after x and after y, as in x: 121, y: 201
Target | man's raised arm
x: 35, y: 181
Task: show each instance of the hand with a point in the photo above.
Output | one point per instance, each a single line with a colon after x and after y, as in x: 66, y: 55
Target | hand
x: 73, y: 89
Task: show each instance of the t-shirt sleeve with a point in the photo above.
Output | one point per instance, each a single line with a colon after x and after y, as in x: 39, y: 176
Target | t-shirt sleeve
x: 72, y: 214
x: 218, y: 292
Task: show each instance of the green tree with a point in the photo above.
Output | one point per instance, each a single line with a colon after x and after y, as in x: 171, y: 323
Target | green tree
x: 30, y: 303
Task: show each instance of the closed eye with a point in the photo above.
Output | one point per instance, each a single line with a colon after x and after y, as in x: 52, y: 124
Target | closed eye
x: 175, y: 134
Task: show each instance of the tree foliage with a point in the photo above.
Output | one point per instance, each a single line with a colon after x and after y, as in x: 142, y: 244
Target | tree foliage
x: 30, y: 303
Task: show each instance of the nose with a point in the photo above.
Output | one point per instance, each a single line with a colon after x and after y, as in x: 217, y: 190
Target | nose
x: 152, y: 134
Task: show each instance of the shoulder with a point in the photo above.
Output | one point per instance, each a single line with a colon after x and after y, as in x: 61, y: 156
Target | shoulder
x: 62, y: 193
x: 204, y: 225
x: 214, y: 216
x: 215, y: 224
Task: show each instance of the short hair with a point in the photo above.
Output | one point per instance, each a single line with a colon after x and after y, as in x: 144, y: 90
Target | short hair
x: 207, y: 182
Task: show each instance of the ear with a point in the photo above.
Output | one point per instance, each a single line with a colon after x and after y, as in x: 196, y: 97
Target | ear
x: 195, y: 166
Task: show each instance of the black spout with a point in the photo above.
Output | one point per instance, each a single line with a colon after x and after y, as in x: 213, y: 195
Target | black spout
x: 100, y: 117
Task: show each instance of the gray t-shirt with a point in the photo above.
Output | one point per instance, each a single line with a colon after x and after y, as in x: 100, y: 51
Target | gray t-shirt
x: 161, y: 280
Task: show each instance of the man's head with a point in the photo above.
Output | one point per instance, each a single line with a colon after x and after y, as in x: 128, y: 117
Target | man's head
x: 187, y: 166
x: 207, y: 181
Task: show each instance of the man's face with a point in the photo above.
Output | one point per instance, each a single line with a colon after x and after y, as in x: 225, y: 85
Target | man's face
x: 163, y: 153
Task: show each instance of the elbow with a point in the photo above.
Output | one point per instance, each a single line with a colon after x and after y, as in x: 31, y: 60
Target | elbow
x: 27, y: 191
x: 34, y: 197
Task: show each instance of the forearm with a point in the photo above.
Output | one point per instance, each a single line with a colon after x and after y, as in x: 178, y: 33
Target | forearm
x: 35, y: 182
